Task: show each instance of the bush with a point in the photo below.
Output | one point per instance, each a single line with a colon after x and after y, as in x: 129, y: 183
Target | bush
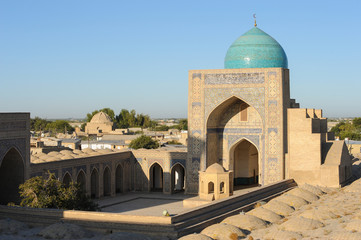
x: 143, y: 142
x: 40, y: 192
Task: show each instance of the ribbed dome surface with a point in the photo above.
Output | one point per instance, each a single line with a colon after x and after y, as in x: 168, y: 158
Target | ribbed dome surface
x: 255, y: 49
x: 101, y: 117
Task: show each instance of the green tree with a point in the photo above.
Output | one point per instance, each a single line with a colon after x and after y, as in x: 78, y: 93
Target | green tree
x: 349, y: 130
x: 160, y: 128
x: 59, y: 126
x: 108, y: 111
x: 182, y: 125
x: 143, y: 142
x: 38, y: 124
x: 357, y: 122
x: 49, y: 192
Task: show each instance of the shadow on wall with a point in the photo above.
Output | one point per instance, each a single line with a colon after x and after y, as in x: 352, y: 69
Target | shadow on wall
x: 11, y: 176
x: 196, y: 149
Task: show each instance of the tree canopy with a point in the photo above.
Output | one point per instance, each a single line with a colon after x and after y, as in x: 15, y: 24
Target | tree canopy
x: 349, y: 129
x: 49, y: 192
x: 39, y: 124
x: 143, y: 142
x: 126, y: 118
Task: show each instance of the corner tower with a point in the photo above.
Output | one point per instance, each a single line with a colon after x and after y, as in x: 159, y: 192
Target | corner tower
x: 237, y: 116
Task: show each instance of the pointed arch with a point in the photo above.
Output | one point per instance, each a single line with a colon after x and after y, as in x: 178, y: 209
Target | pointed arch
x: 119, y: 179
x: 245, y: 161
x: 106, y: 181
x: 94, y: 183
x: 81, y: 180
x: 11, y: 176
x: 177, y: 178
x: 156, y: 177
x: 226, y: 103
x: 67, y: 179
x: 231, y: 118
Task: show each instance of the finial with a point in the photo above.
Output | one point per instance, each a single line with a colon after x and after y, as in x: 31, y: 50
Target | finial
x: 255, y: 22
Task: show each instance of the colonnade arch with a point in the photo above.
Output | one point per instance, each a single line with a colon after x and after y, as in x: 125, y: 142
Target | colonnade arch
x: 94, y: 183
x: 67, y: 179
x: 156, y: 177
x: 81, y: 180
x: 177, y: 178
x: 11, y: 176
x: 106, y: 182
x: 119, y: 179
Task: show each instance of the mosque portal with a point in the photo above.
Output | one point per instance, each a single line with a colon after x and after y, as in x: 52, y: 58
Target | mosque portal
x: 237, y: 116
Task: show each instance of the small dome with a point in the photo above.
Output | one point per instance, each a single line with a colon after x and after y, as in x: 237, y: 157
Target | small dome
x: 101, y: 117
x: 215, y: 168
x: 255, y: 49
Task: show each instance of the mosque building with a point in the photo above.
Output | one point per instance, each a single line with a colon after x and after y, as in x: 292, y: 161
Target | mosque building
x: 242, y: 118
x: 243, y: 129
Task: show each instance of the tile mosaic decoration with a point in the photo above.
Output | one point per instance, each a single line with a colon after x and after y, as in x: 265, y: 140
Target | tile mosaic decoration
x: 233, y: 78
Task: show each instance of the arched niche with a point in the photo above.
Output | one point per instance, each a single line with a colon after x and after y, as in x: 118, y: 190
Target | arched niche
x: 11, y: 176
x: 177, y: 178
x: 94, y: 184
x: 119, y: 179
x: 106, y: 182
x: 156, y: 177
x: 81, y: 180
x: 244, y: 160
x: 231, y: 119
x: 67, y: 179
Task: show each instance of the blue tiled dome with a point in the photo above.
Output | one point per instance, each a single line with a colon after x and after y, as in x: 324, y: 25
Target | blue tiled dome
x: 255, y: 49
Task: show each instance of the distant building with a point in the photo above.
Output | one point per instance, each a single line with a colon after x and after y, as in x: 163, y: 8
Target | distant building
x: 100, y: 123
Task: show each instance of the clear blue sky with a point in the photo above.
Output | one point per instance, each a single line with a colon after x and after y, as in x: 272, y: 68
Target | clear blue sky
x: 61, y: 59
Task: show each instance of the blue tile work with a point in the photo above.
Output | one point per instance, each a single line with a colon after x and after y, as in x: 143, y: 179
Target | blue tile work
x: 64, y: 170
x: 253, y: 96
x: 82, y: 167
x: 196, y: 160
x: 107, y: 164
x: 235, y: 138
x: 234, y: 130
x: 96, y: 166
x: 273, y: 130
x: 156, y: 160
x: 272, y: 102
x: 255, y: 49
x: 233, y: 78
x: 196, y: 75
x: 175, y: 161
x: 196, y: 131
x: 196, y: 104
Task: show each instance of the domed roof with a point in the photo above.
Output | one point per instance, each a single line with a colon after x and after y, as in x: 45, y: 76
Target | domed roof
x: 101, y: 117
x: 215, y: 168
x: 255, y: 49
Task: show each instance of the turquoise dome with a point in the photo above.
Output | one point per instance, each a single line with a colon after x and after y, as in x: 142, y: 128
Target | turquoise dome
x: 255, y: 49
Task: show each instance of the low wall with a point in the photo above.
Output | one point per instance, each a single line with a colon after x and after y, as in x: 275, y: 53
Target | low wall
x: 189, y: 221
